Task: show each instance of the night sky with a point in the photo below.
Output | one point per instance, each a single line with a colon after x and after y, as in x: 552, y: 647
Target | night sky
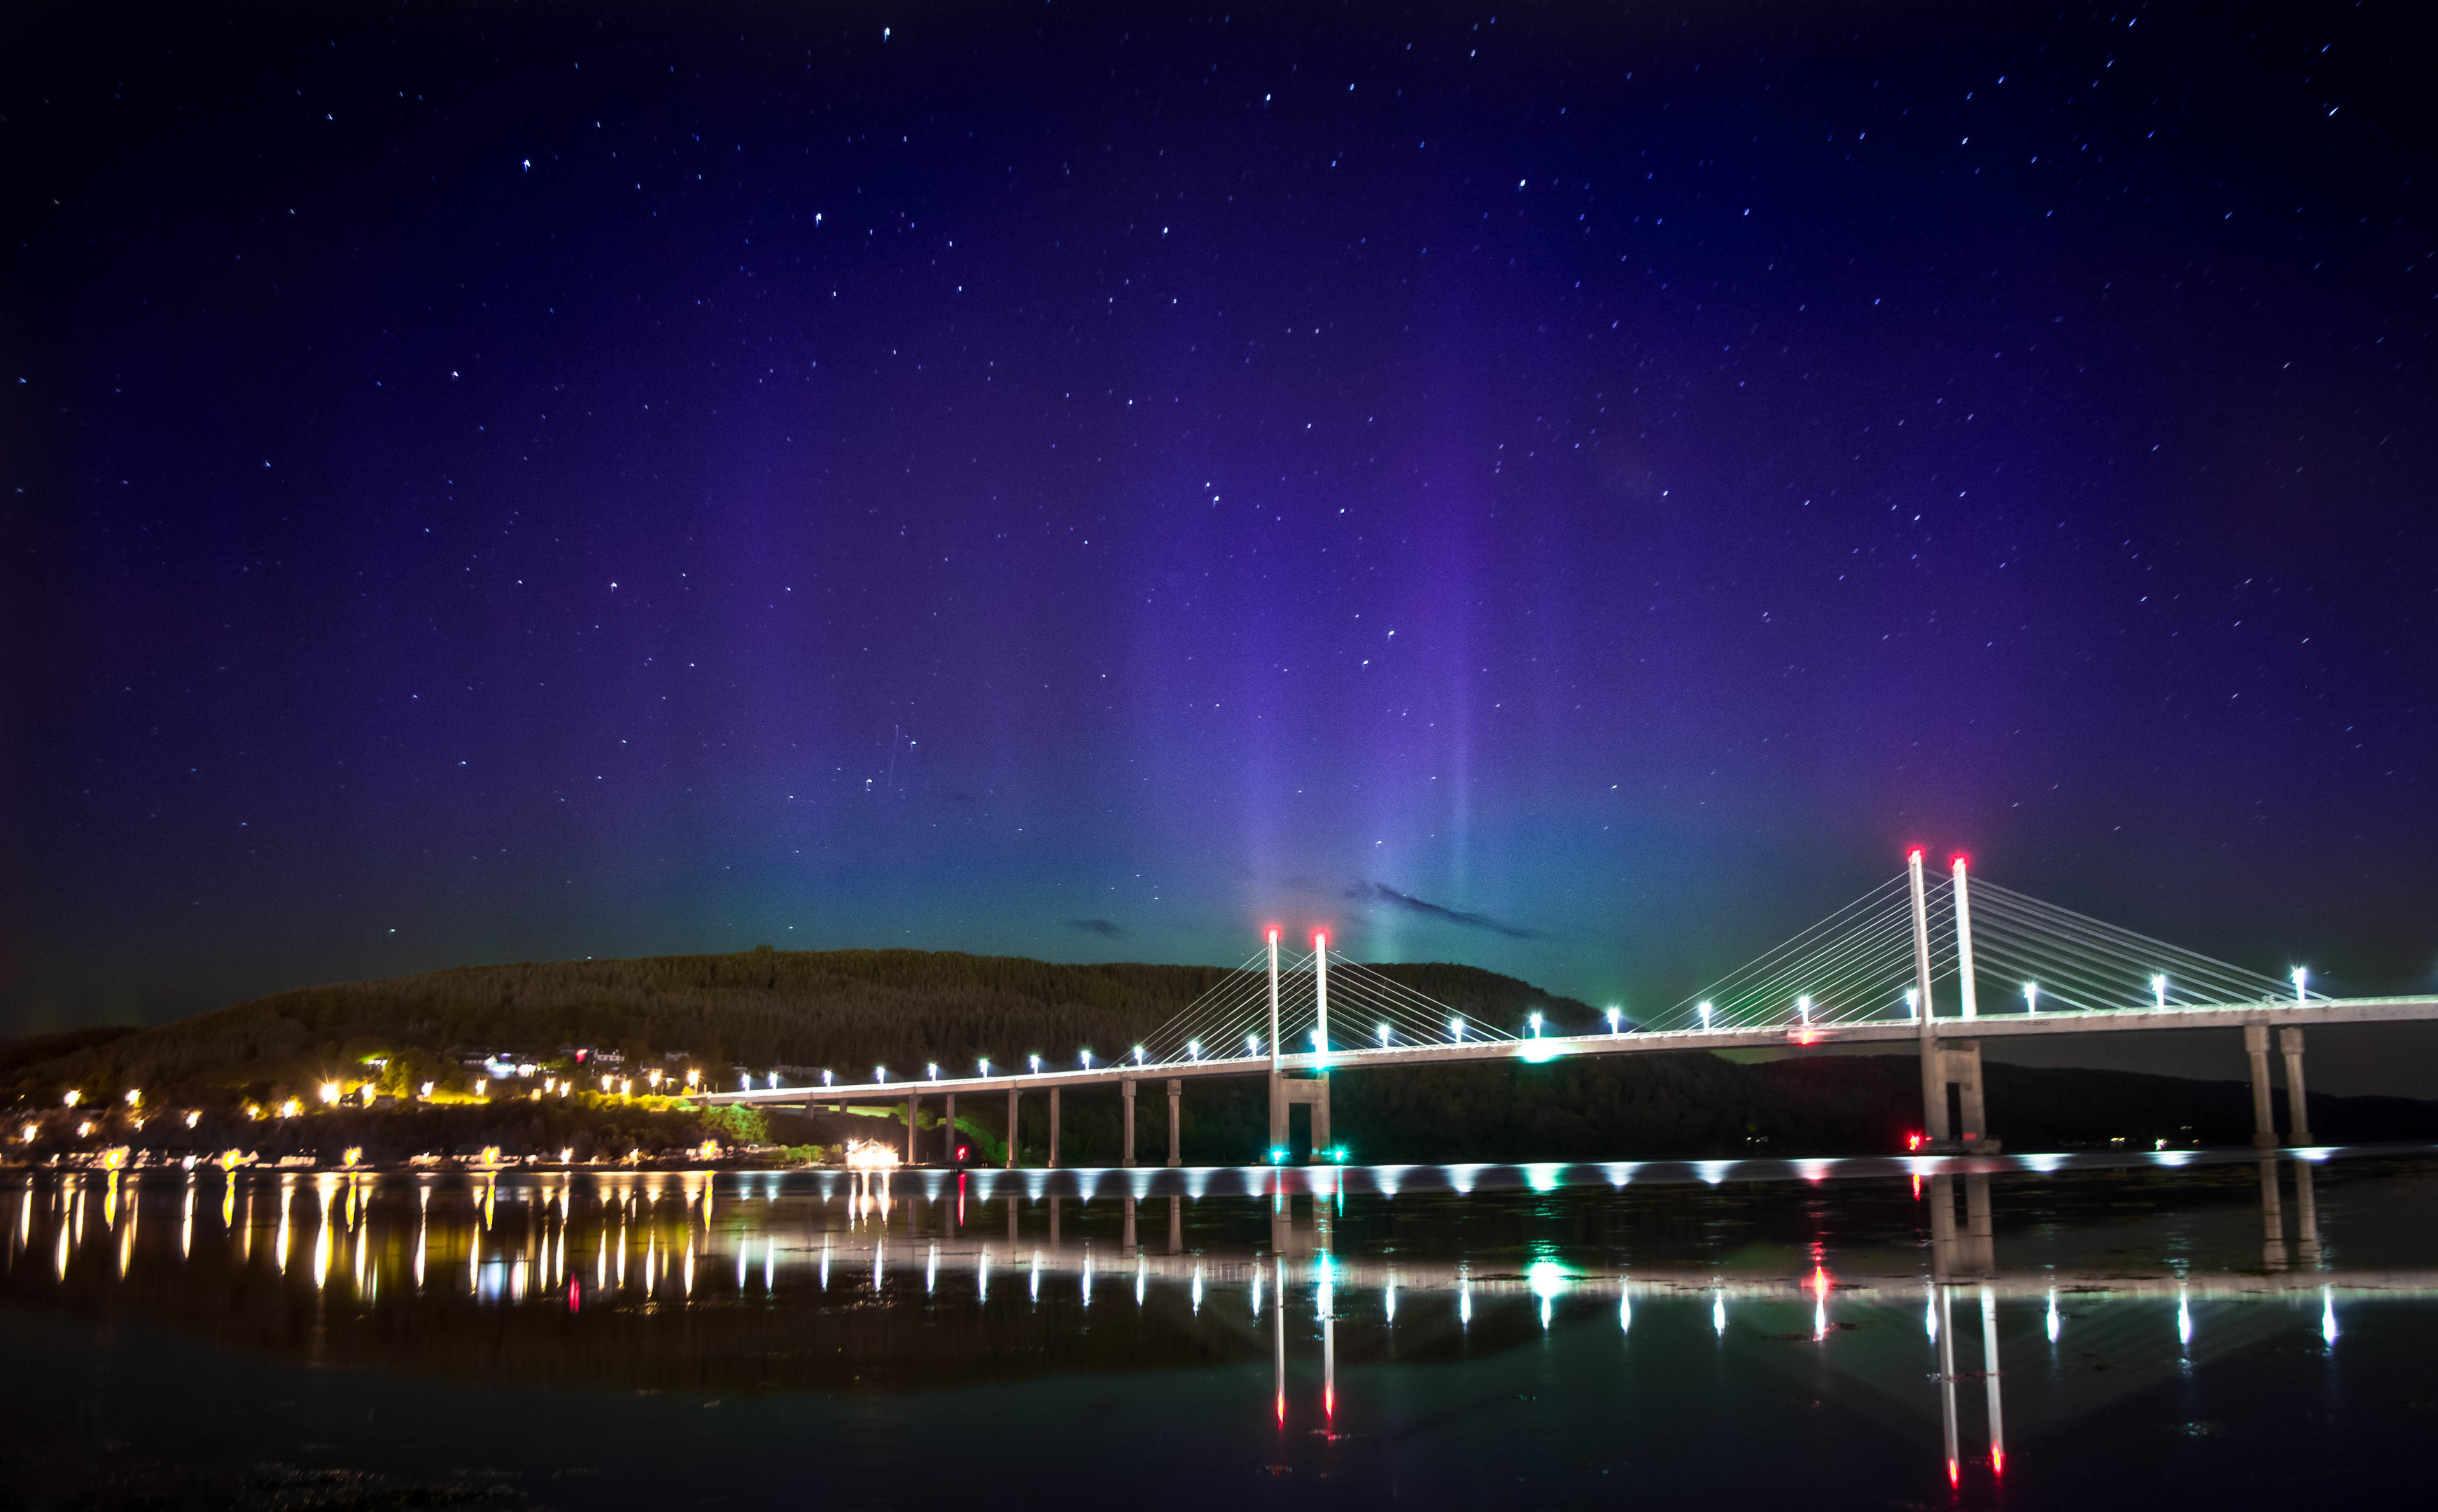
x: 1570, y: 490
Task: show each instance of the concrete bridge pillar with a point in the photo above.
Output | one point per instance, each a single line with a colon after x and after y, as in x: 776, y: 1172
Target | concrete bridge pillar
x: 1127, y: 1154
x: 1012, y: 1096
x: 2297, y: 1117
x: 2264, y: 1117
x: 2298, y: 1111
x: 1963, y: 1059
x: 1175, y: 1092
x: 913, y: 1102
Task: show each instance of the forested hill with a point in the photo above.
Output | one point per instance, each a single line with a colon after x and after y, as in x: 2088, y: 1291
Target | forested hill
x: 846, y: 1008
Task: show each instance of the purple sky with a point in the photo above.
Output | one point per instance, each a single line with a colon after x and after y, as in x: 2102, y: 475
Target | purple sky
x: 1570, y: 495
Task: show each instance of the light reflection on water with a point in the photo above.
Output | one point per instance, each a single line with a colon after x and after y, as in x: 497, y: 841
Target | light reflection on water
x: 1362, y: 1268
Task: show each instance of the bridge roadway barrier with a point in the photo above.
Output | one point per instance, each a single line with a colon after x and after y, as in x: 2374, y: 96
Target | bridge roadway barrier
x: 1628, y: 1041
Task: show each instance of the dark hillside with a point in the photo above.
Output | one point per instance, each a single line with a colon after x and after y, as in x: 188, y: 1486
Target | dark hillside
x: 848, y: 1010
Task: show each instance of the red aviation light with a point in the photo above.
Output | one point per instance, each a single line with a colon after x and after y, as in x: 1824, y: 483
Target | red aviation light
x: 1954, y: 1474
x: 1998, y: 1461
x: 1329, y: 1401
x: 1913, y: 1140
x: 1913, y: 857
x: 1955, y: 862
x: 1320, y: 939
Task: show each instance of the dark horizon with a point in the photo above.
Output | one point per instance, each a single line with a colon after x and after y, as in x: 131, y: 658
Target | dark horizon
x: 1553, y: 491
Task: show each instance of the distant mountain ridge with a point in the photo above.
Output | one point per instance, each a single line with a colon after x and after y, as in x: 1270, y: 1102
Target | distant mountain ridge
x: 849, y: 1010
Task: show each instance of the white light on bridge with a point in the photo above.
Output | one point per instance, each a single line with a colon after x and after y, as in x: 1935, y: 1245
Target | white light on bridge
x: 745, y: 1082
x: 2031, y: 998
x: 879, y: 1074
x: 826, y: 1077
x: 772, y: 1079
x: 1913, y: 1002
x: 1614, y: 1015
x: 1803, y: 1011
x: 1194, y: 1050
x: 1456, y: 1026
x: 934, y: 1069
x: 985, y: 1067
x: 1138, y: 1055
x: 1084, y: 1059
x: 1037, y: 1065
x: 2299, y: 975
x: 1252, y: 1045
x: 1536, y: 1022
x: 2158, y: 989
x: 1384, y: 1036
x: 1706, y: 1015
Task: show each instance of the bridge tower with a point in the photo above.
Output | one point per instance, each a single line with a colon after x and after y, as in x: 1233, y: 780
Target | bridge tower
x: 1948, y: 1062
x: 1286, y: 1090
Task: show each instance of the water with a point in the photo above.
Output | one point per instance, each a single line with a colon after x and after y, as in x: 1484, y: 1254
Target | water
x: 1705, y: 1334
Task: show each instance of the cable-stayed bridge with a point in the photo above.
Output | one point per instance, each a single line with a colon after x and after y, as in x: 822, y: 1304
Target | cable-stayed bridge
x: 1944, y: 965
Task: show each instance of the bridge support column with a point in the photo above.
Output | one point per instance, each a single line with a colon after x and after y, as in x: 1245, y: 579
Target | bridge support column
x: 1963, y: 1061
x: 2298, y: 1109
x: 948, y: 1128
x: 1053, y: 1152
x: 2297, y: 1117
x: 1175, y: 1092
x: 1012, y: 1096
x: 2264, y: 1117
x: 1126, y: 1155
x: 1278, y: 1105
x: 912, y: 1102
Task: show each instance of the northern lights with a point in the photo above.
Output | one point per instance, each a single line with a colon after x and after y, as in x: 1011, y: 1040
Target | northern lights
x: 1567, y: 493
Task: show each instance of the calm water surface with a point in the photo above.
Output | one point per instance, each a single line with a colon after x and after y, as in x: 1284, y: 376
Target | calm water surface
x: 1710, y: 1334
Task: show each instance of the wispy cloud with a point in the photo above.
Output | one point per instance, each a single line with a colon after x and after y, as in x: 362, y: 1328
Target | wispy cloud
x: 1103, y: 927
x: 1407, y: 903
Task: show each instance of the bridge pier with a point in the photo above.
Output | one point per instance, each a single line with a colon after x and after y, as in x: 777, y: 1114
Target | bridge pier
x: 1286, y: 1092
x: 2264, y: 1117
x: 913, y: 1102
x: 1127, y: 1154
x: 2297, y: 1117
x: 2298, y: 1111
x: 1176, y: 1091
x: 1012, y: 1096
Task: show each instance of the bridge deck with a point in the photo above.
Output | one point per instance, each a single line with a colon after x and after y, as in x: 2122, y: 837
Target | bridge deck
x: 1636, y: 1042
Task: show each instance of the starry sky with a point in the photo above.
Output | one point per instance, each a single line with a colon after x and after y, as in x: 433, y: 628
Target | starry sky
x: 1569, y: 489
